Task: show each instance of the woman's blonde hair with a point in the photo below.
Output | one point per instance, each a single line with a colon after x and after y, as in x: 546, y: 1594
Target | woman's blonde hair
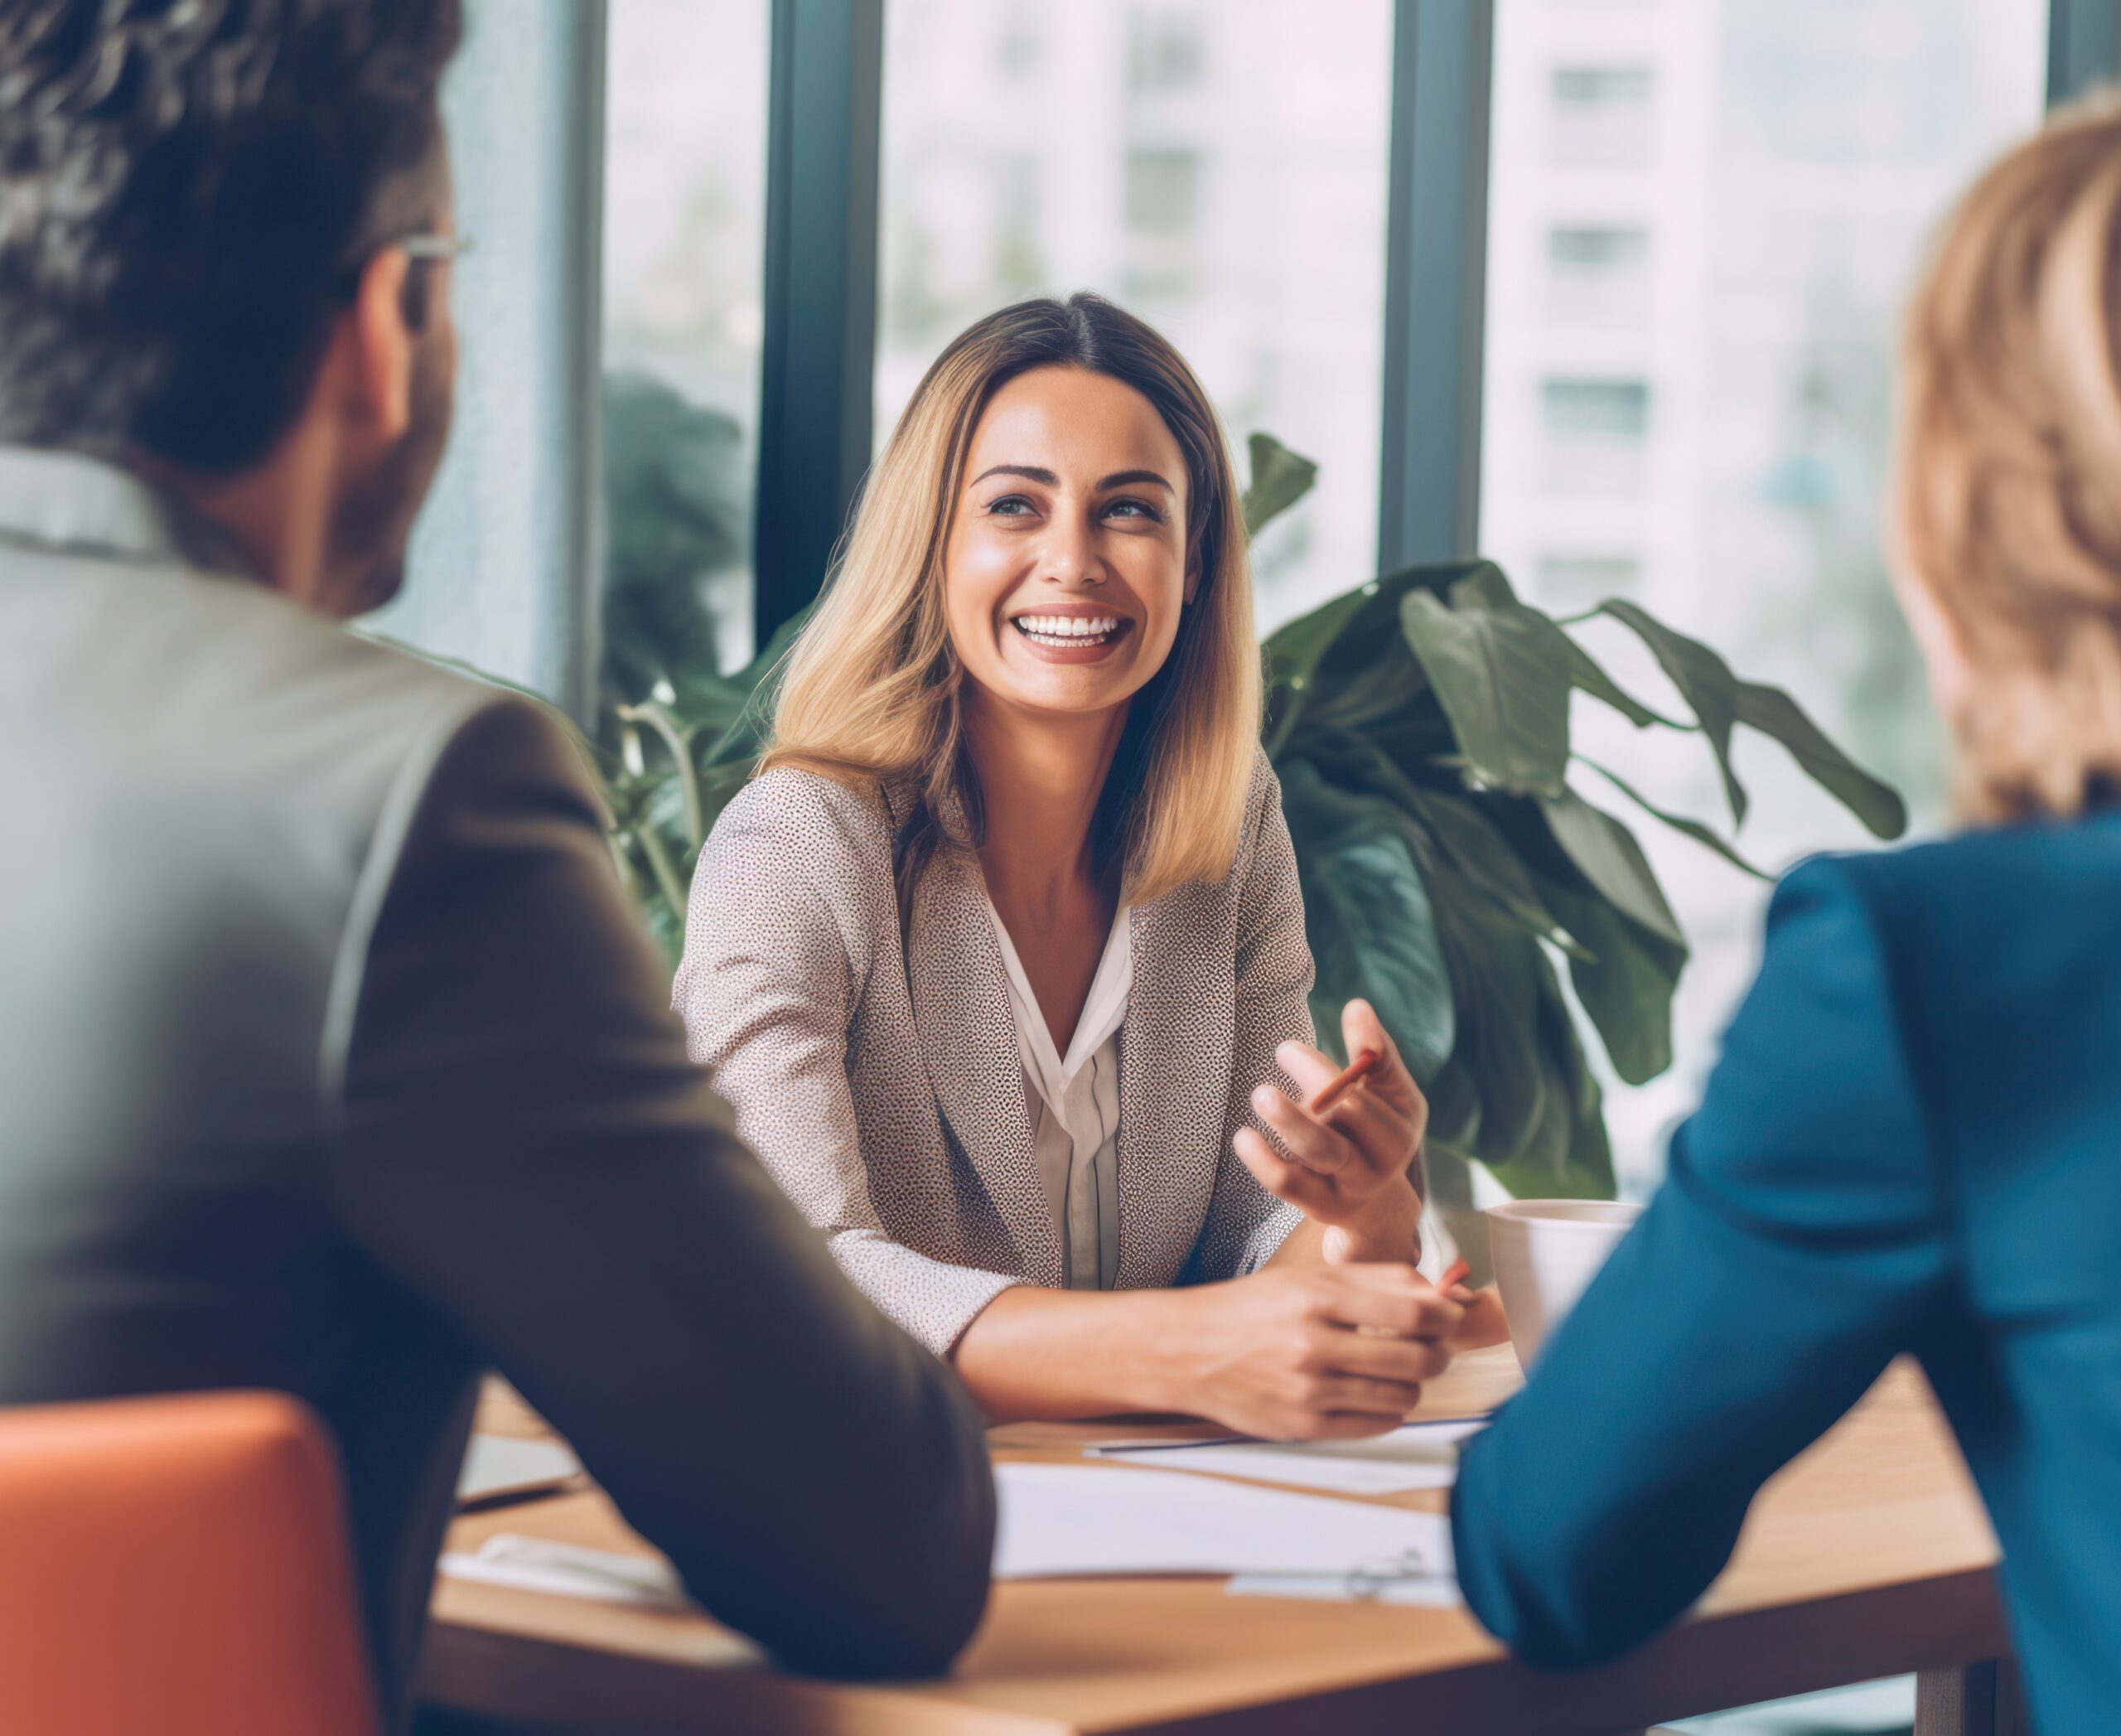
x: 871, y: 689
x: 2007, y: 491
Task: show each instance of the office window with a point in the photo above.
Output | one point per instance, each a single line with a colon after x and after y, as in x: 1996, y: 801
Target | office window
x: 1766, y: 173
x: 685, y: 227
x: 1218, y: 167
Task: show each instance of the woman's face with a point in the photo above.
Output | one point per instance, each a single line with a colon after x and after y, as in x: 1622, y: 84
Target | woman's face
x: 1065, y: 569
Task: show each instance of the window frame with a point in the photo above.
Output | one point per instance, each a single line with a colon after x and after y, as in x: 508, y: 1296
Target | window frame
x: 824, y: 125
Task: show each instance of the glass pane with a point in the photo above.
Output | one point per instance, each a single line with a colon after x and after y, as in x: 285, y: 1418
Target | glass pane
x: 1217, y: 166
x: 684, y: 261
x: 1702, y: 221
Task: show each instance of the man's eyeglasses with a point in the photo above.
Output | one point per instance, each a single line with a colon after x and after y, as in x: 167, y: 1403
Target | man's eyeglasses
x: 433, y: 247
x: 422, y: 248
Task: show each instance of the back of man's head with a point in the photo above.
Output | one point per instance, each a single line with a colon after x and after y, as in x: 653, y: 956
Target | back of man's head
x: 187, y: 187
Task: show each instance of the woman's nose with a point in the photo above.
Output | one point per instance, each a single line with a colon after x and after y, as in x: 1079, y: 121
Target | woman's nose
x: 1071, y: 557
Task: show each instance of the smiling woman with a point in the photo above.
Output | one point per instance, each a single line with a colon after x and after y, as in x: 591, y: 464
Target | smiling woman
x: 1001, y: 959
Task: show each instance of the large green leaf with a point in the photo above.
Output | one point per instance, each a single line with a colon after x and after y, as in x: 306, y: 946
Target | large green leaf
x: 1720, y: 700
x: 1368, y: 917
x: 1704, y: 681
x: 1774, y: 713
x: 1502, y: 672
x: 1519, y: 1095
x: 1626, y: 982
x: 1347, y: 666
x: 1280, y: 478
x: 1707, y: 836
x: 1606, y: 855
x: 1492, y: 1099
x: 1486, y: 859
x: 1571, y: 1158
x: 1589, y: 676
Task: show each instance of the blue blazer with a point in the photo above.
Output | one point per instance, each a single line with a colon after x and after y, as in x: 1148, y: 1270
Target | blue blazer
x: 1912, y: 1143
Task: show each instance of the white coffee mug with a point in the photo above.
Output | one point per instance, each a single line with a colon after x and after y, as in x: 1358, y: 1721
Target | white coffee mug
x: 1546, y: 1252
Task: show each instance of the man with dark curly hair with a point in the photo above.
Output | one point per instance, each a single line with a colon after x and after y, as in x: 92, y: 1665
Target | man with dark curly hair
x: 331, y: 1059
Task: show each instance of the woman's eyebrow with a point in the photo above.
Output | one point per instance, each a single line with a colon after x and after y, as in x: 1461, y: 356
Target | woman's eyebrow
x: 1038, y: 473
x: 1030, y: 472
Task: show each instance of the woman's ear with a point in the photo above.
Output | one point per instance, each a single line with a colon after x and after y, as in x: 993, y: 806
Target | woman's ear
x: 1192, y: 576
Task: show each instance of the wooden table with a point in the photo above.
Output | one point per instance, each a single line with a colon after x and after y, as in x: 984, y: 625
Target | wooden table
x: 1869, y: 1556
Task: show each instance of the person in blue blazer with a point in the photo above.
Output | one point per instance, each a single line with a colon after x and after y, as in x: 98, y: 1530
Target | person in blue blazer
x: 1912, y: 1141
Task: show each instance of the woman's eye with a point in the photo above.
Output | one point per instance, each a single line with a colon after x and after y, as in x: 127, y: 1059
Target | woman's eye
x: 1009, y: 506
x: 1135, y: 510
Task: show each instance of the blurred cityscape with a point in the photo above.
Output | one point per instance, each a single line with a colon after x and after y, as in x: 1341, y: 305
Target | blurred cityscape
x: 1217, y: 166
x: 1704, y: 215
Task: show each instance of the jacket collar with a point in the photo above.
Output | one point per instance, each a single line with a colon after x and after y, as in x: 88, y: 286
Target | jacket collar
x: 69, y: 503
x: 968, y: 1033
x: 1166, y: 1166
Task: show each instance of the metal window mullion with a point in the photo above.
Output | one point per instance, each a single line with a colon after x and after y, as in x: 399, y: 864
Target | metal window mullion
x: 2083, y: 47
x: 1436, y: 280
x: 817, y: 386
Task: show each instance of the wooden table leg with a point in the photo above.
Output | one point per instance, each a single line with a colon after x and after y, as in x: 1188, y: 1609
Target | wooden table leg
x: 1978, y: 1699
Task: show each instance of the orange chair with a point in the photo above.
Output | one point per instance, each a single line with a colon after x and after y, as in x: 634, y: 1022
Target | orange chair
x: 176, y: 1566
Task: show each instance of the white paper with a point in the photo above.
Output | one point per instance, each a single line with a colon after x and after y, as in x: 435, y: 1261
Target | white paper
x: 568, y: 1570
x: 1420, y: 1456
x: 1100, y: 1521
x: 495, y: 1464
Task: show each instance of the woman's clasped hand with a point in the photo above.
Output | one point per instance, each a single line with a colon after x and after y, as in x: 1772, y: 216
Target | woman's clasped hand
x: 1308, y: 1353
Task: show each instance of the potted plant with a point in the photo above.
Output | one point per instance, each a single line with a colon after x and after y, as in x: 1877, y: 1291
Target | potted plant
x: 1420, y: 726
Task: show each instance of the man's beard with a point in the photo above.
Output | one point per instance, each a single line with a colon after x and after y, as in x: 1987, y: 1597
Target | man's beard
x: 373, y: 522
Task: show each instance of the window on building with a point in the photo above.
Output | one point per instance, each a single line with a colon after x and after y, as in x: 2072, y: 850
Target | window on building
x: 1218, y: 169
x: 685, y: 227
x: 1602, y: 114
x: 1166, y: 48
x: 1594, y: 434
x: 1598, y: 272
x: 1163, y: 214
x: 1767, y: 171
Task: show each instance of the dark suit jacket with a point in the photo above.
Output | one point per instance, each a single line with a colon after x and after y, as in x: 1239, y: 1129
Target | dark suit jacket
x: 1912, y: 1143
x: 332, y: 1060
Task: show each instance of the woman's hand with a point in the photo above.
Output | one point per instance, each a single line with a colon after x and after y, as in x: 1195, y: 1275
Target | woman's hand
x: 1304, y: 1353
x: 1349, y: 1169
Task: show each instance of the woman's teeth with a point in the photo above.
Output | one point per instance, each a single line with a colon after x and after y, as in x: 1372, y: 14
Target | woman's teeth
x: 1067, y: 629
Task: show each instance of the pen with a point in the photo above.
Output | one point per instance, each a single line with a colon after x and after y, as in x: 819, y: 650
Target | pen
x: 1343, y: 1081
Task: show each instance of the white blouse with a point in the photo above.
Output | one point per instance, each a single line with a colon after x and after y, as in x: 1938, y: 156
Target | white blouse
x: 1075, y: 1101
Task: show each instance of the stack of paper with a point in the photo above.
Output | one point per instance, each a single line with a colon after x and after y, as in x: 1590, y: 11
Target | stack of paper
x: 568, y: 1570
x: 499, y: 1467
x: 1065, y: 1520
x: 1419, y: 1456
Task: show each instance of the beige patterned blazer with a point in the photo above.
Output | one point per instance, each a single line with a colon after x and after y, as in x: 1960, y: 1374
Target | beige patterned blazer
x: 883, y: 1084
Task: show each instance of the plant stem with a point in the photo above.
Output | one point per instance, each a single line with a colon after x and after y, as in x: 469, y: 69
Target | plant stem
x: 658, y: 720
x: 665, y: 871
